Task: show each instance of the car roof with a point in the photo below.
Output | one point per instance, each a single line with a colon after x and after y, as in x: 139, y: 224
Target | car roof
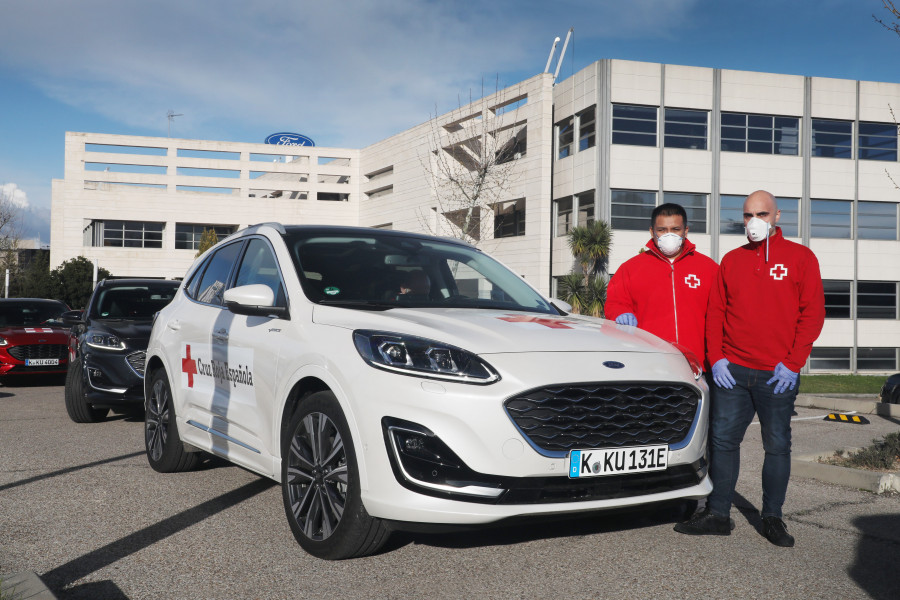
x: 346, y: 230
x: 134, y: 281
x: 7, y: 300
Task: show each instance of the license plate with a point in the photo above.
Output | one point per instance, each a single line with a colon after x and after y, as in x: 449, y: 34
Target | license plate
x: 41, y: 362
x: 598, y: 462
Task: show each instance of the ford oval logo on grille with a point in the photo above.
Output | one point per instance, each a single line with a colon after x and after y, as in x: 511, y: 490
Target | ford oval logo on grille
x: 612, y: 364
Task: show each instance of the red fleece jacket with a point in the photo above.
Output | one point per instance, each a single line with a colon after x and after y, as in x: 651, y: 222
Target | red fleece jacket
x: 763, y: 312
x: 668, y: 298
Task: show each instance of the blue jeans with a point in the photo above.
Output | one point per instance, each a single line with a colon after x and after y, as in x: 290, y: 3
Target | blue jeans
x: 732, y: 412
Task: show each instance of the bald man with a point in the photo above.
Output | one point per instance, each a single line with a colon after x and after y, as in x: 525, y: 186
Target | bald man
x: 765, y: 311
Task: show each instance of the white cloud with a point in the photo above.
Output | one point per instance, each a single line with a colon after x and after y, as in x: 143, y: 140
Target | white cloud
x: 10, y: 192
x: 351, y: 72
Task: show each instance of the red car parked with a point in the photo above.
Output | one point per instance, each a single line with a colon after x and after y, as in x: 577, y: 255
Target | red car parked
x: 33, y: 340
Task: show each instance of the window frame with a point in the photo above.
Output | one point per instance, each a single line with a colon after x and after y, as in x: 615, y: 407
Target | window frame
x: 753, y: 138
x: 619, y: 134
x: 669, y: 139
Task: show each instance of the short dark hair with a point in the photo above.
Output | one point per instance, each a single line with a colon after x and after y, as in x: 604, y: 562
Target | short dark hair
x: 669, y: 209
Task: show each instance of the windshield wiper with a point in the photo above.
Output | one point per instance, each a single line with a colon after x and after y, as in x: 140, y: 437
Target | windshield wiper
x: 362, y: 304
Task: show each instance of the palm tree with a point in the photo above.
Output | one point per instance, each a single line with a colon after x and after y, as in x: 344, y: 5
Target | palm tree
x: 590, y: 245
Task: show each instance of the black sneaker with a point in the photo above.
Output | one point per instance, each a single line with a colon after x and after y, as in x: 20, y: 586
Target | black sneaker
x: 706, y: 523
x: 776, y: 532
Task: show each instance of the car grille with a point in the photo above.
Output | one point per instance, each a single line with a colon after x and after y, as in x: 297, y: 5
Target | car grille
x: 59, y: 351
x: 556, y: 419
x: 137, y: 360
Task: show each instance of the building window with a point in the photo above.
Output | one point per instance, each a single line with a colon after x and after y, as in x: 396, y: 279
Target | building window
x: 509, y: 218
x: 686, y: 128
x: 585, y: 208
x: 876, y: 300
x: 587, y: 128
x: 731, y: 215
x: 564, y: 134
x: 695, y: 207
x: 564, y: 216
x: 760, y: 134
x: 878, y: 141
x: 634, y: 125
x: 830, y: 219
x: 832, y: 139
x: 837, y: 299
x: 876, y: 221
x: 513, y: 148
x: 876, y: 359
x: 125, y: 234
x: 187, y: 236
x: 631, y: 209
x: 829, y: 359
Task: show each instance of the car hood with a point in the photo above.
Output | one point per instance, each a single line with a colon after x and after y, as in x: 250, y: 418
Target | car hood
x: 497, y: 331
x: 51, y: 334
x: 136, y: 333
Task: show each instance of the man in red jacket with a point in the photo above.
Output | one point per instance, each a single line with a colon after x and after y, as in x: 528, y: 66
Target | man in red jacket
x: 765, y: 312
x: 664, y: 289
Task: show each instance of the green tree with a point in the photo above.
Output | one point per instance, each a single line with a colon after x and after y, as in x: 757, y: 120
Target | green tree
x: 72, y: 281
x: 208, y: 239
x: 34, y: 281
x: 586, y: 291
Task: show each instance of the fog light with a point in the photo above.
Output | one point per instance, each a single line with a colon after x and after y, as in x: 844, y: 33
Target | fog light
x: 95, y: 373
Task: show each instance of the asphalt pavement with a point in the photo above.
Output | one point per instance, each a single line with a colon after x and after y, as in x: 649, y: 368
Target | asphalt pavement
x: 81, y: 508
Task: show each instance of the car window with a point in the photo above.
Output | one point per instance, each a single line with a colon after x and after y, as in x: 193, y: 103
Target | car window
x: 259, y: 266
x: 31, y: 313
x: 389, y: 270
x: 212, y: 283
x: 133, y: 301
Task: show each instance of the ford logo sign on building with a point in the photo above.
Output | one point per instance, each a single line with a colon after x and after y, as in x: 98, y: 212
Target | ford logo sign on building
x: 289, y: 139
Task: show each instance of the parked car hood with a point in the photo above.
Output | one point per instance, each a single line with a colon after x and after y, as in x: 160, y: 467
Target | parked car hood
x: 130, y: 331
x: 50, y: 333
x: 496, y: 331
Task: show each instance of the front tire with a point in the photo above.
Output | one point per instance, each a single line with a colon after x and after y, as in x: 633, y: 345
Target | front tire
x: 165, y: 452
x: 76, y: 402
x: 320, y: 484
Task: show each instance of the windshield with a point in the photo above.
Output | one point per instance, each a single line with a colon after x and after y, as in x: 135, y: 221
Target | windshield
x: 382, y: 270
x: 133, y: 301
x: 31, y: 312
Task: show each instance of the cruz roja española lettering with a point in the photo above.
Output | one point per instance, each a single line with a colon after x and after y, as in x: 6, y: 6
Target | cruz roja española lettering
x: 221, y: 372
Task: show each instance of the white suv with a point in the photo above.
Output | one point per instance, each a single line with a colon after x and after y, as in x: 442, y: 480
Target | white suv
x: 390, y: 380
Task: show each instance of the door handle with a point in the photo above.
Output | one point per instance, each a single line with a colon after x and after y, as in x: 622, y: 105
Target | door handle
x: 220, y: 335
x: 174, y: 325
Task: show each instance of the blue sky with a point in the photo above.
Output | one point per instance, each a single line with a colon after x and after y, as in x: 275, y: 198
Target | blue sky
x: 349, y: 73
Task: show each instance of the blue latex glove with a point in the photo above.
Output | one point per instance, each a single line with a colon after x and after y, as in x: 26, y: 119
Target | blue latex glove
x: 627, y: 319
x: 721, y: 375
x: 786, y: 378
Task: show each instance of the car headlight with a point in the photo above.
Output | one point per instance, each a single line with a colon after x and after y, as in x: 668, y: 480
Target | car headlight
x: 420, y: 357
x: 104, y: 341
x: 3, y: 341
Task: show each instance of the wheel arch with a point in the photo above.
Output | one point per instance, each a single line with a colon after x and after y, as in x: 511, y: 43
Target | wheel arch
x: 310, y: 382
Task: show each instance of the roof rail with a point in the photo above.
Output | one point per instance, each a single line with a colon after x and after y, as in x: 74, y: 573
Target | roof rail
x: 273, y: 224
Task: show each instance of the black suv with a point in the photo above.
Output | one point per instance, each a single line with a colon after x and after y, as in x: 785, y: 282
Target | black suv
x: 107, y: 346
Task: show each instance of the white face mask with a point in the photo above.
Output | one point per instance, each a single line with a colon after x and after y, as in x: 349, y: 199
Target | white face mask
x: 669, y: 243
x: 757, y: 229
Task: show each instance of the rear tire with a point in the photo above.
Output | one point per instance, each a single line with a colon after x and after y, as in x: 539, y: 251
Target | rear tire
x: 320, y: 484
x: 165, y: 452
x: 77, y: 405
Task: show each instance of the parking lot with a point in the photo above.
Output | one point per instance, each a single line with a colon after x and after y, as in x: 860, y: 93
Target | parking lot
x: 80, y: 506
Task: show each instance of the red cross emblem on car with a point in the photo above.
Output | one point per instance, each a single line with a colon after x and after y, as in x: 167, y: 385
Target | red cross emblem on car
x: 551, y: 323
x: 692, y: 281
x: 188, y: 366
x: 778, y: 272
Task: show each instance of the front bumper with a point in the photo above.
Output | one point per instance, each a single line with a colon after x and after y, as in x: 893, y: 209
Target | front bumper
x: 112, y: 379
x: 489, y: 469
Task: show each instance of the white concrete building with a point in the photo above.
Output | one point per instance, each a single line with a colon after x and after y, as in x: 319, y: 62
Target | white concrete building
x: 612, y: 141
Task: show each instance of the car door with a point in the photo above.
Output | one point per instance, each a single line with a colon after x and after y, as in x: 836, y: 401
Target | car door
x: 203, y: 349
x: 244, y: 408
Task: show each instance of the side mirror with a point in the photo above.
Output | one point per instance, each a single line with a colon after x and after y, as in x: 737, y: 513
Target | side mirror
x: 256, y: 300
x: 71, y: 318
x: 561, y: 305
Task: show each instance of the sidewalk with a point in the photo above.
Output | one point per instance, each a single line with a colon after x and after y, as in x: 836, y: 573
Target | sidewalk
x: 819, y: 438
